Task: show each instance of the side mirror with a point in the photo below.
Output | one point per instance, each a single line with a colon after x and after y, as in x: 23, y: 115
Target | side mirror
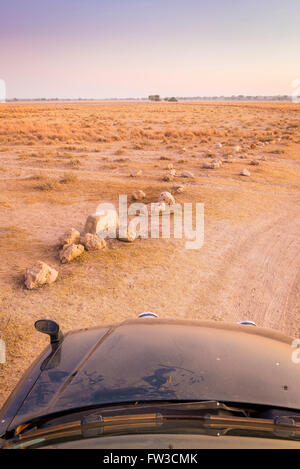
x: 47, y: 326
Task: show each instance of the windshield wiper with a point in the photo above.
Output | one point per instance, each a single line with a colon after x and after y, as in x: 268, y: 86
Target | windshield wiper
x: 205, y: 416
x: 209, y: 413
x: 122, y: 412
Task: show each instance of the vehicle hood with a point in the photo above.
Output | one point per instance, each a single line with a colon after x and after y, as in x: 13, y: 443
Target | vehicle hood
x: 156, y: 359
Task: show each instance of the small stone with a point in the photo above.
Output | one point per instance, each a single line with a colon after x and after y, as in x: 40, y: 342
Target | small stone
x: 138, y: 195
x: 71, y: 236
x: 254, y: 163
x: 102, y: 225
x: 212, y: 165
x: 180, y: 189
x: 167, y: 198
x: 217, y: 163
x: 92, y: 242
x: 170, y: 166
x: 136, y: 173
x: 187, y: 174
x: 245, y: 172
x: 40, y: 274
x: 168, y: 178
x: 70, y: 252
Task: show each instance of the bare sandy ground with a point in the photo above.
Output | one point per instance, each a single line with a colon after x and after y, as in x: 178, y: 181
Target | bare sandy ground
x: 248, y: 268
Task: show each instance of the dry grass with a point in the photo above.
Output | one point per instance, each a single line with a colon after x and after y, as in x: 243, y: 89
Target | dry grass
x: 73, y: 124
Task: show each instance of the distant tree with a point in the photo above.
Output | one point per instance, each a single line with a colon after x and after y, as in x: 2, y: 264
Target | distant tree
x: 171, y: 100
x: 154, y: 97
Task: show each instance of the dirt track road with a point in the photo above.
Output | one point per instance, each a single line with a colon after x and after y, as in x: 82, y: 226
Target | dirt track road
x: 260, y: 273
x: 246, y: 271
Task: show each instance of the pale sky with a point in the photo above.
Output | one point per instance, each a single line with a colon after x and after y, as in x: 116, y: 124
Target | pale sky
x: 133, y: 48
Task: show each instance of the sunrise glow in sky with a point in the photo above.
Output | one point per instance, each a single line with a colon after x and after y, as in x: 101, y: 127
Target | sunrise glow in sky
x: 133, y: 48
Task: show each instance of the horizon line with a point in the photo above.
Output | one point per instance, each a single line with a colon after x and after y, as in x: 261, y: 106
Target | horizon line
x: 239, y: 97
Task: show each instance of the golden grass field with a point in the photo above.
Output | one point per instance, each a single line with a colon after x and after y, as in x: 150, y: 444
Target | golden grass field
x: 58, y: 161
